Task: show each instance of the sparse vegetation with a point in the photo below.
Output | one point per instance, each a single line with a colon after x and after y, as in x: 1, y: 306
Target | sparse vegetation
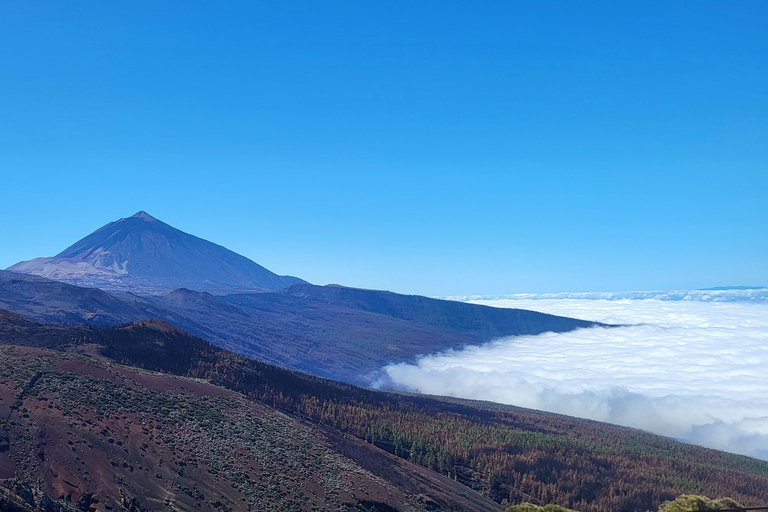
x: 216, y: 449
x: 683, y: 503
x: 694, y: 503
x: 530, y: 507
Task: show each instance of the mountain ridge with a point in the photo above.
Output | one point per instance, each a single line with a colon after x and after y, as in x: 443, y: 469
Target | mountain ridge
x: 347, y: 335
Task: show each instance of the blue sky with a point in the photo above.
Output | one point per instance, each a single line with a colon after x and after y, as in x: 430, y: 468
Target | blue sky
x: 439, y: 148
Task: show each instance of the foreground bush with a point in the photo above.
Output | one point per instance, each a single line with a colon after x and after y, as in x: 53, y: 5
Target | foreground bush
x: 683, y: 503
x: 694, y: 503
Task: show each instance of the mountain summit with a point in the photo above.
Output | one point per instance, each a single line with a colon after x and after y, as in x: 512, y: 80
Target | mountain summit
x: 143, y: 254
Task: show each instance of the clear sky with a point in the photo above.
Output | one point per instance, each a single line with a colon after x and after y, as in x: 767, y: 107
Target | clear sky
x: 426, y: 147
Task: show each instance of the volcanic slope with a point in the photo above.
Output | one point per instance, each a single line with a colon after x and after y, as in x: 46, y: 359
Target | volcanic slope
x: 348, y: 334
x: 109, y: 437
x: 504, y: 452
x: 141, y: 254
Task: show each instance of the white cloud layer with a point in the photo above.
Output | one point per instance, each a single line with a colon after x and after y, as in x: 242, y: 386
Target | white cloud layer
x: 726, y: 294
x: 695, y: 369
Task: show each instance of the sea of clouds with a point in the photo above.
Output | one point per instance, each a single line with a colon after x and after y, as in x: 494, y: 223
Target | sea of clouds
x: 689, y: 365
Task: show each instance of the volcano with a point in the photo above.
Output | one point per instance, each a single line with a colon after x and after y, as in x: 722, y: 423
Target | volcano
x: 141, y: 254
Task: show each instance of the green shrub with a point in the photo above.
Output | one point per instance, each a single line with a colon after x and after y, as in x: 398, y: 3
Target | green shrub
x: 694, y: 503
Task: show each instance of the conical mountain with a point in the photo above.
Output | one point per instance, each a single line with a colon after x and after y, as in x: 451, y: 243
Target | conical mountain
x: 144, y: 255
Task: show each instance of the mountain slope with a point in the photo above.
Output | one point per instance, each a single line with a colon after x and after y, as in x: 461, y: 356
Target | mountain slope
x: 58, y: 303
x: 108, y: 437
x: 141, y: 254
x: 299, y: 328
x: 445, y: 314
x: 347, y: 334
x: 54, y: 302
x: 507, y: 452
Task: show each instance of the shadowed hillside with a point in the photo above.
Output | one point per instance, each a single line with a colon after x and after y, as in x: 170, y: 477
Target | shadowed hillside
x: 333, y: 332
x: 348, y: 334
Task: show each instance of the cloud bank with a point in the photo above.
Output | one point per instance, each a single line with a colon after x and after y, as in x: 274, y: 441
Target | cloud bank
x: 725, y: 294
x: 695, y: 369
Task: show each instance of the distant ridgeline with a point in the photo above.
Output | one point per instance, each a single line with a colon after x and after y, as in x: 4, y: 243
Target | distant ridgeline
x: 335, y: 332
